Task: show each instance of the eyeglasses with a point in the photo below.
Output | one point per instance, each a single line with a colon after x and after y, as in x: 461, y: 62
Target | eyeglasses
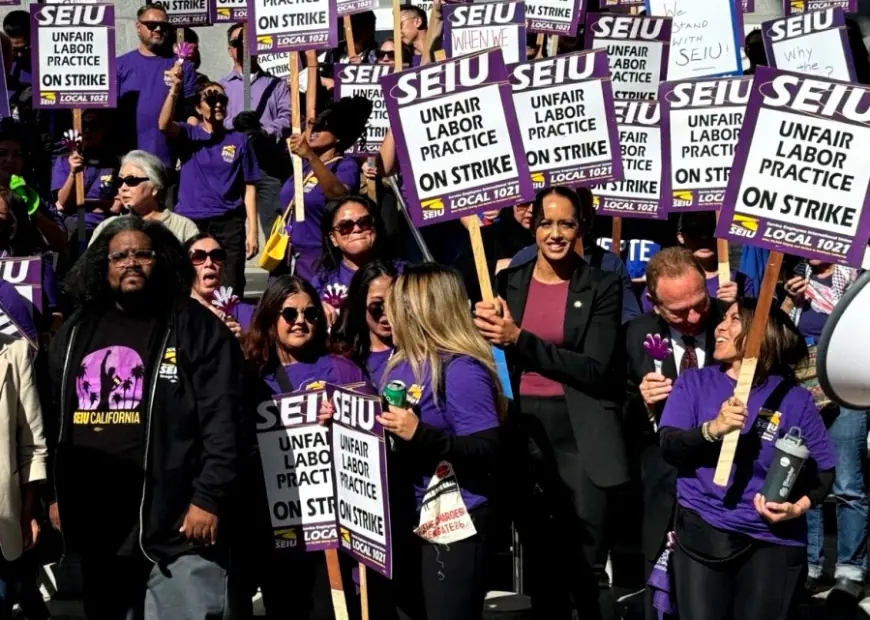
x: 310, y: 314
x: 140, y: 257
x: 381, y: 54
x: 214, y: 98
x: 132, y: 181
x: 198, y: 257
x: 345, y: 227
x: 376, y: 310
x: 152, y: 26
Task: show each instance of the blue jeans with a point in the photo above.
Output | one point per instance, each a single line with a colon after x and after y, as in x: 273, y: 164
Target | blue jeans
x: 848, y: 436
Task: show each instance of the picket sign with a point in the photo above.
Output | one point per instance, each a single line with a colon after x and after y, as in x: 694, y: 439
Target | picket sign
x: 750, y: 361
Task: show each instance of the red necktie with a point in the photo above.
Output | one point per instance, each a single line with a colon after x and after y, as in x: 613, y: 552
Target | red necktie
x: 690, y: 357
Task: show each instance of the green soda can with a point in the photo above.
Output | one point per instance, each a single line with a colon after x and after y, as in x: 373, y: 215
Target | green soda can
x: 396, y: 394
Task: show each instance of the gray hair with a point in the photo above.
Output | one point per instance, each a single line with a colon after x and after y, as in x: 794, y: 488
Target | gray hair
x: 152, y: 167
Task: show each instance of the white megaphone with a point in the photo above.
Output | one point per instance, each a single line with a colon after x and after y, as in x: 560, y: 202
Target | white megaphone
x: 843, y: 355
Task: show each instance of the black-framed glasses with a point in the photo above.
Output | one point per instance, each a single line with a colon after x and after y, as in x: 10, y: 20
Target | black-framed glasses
x: 345, y: 227
x: 131, y: 181
x: 214, y: 98
x: 391, y: 54
x: 290, y: 315
x: 152, y: 26
x: 198, y: 257
x: 141, y: 256
x: 376, y: 310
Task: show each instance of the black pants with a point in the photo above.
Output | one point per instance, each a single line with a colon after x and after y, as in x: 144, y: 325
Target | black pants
x: 757, y: 585
x: 229, y: 230
x: 561, y: 517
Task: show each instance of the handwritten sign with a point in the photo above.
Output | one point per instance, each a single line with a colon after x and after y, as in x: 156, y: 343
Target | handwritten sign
x: 637, y: 48
x: 565, y: 109
x: 555, y: 16
x: 361, y: 489
x: 187, y: 12
x: 457, y: 137
x: 224, y: 11
x: 813, y: 43
x: 472, y: 28
x: 25, y: 274
x: 795, y: 7
x: 701, y: 123
x: 639, y: 193
x: 351, y: 7
x: 802, y: 169
x: 290, y: 25
x: 364, y: 81
x: 73, y: 55
x: 705, y: 37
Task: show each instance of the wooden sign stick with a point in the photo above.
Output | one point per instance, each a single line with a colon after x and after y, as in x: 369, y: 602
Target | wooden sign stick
x: 364, y: 591
x: 472, y: 223
x: 750, y: 361
x: 80, y: 188
x: 539, y: 43
x: 339, y: 603
x: 724, y: 260
x: 616, y: 236
x: 296, y: 129
x: 397, y: 34
x: 311, y: 91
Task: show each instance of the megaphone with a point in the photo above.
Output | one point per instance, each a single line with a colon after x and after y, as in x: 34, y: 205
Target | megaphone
x: 843, y: 354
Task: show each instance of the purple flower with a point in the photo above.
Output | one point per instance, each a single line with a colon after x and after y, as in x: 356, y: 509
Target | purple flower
x: 184, y: 51
x: 657, y: 347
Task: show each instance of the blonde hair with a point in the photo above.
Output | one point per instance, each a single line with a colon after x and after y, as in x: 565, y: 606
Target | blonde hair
x: 428, y: 310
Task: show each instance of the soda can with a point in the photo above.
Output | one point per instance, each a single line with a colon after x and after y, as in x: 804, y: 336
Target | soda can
x: 396, y: 394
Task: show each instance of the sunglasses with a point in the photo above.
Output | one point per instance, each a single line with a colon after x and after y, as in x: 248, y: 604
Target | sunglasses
x: 141, y: 257
x: 131, y: 181
x: 152, y: 26
x: 345, y: 227
x: 238, y: 42
x: 213, y: 99
x: 198, y: 257
x: 376, y: 310
x: 310, y: 314
x: 386, y: 54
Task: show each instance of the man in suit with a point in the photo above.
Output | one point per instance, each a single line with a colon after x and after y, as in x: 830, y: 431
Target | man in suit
x: 684, y: 314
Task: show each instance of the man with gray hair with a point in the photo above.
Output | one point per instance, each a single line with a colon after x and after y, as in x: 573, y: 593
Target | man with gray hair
x: 142, y: 192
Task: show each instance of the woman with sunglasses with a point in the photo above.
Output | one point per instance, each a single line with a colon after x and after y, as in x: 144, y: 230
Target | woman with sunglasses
x: 328, y: 174
x: 219, y: 170
x: 142, y: 183
x: 208, y: 259
x: 353, y: 235
x: 287, y: 350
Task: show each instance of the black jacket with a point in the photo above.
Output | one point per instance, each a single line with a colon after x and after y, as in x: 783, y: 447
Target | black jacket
x: 659, y: 479
x: 586, y: 364
x: 192, y: 412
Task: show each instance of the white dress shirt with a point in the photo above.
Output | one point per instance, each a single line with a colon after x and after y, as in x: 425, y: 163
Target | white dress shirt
x: 679, y: 348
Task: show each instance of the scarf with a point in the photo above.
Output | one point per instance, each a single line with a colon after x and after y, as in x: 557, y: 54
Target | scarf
x: 823, y: 297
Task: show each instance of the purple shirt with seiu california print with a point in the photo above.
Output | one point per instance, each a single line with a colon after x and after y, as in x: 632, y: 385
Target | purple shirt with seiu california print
x: 696, y: 398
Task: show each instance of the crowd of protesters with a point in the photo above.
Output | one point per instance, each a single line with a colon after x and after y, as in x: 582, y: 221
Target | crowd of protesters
x: 128, y: 404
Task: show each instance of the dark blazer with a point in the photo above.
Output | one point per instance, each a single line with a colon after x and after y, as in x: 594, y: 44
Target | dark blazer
x: 586, y: 364
x: 659, y: 479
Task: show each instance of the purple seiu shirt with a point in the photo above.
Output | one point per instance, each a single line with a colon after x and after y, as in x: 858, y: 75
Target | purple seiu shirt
x: 276, y: 113
x: 142, y: 89
x: 312, y: 375
x: 99, y: 184
x: 332, y: 286
x: 696, y: 398
x: 468, y: 406
x: 214, y: 172
x: 305, y: 236
x: 376, y: 364
x: 712, y: 289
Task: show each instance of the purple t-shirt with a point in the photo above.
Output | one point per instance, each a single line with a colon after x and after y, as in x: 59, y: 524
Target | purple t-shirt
x: 142, y: 89
x: 332, y: 286
x: 243, y: 313
x: 99, y: 184
x: 467, y: 406
x: 327, y: 369
x: 712, y: 288
x: 376, y: 364
x: 695, y: 399
x: 305, y: 236
x: 214, y: 171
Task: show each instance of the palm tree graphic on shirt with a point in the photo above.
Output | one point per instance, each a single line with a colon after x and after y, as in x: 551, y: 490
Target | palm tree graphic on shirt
x: 111, y: 379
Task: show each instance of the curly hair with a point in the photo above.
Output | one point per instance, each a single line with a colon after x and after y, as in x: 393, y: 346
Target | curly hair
x: 261, y: 341
x: 350, y: 334
x: 346, y: 119
x: 330, y: 256
x: 171, y: 278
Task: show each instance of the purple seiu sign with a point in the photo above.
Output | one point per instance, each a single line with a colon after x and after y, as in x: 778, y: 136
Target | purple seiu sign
x: 457, y: 138
x: 560, y: 17
x: 362, y: 495
x: 637, y: 48
x: 73, y: 55
x: 749, y: 6
x: 802, y: 169
x: 470, y: 28
x: 188, y: 12
x: 296, y: 455
x: 287, y: 26
x: 795, y: 7
x: 565, y: 109
x: 25, y: 274
x: 364, y: 81
x: 622, y: 3
x: 813, y: 43
x: 351, y: 7
x: 701, y: 123
x: 639, y: 193
x: 228, y: 11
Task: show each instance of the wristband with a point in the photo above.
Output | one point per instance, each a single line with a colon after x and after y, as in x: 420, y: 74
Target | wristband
x: 705, y: 433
